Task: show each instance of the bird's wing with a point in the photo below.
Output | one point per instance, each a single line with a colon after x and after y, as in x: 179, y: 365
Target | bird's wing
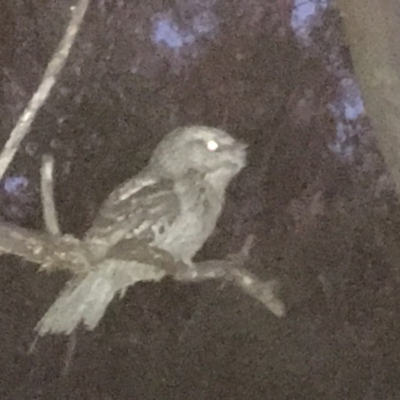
x: 135, y: 210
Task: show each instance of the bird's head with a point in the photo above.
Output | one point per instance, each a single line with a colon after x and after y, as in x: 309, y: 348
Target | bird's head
x: 205, y: 150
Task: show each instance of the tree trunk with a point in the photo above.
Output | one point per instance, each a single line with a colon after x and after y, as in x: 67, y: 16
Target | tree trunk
x: 372, y: 29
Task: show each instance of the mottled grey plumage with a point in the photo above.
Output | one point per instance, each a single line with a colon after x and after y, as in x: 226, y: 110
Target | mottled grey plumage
x: 173, y: 204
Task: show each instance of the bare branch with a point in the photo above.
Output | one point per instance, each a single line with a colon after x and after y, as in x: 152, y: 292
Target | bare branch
x: 52, y: 71
x: 232, y: 270
x: 69, y: 355
x: 265, y: 292
x: 86, y: 298
x: 67, y: 252
x: 47, y: 192
x: 129, y: 262
x: 51, y: 252
x: 51, y: 222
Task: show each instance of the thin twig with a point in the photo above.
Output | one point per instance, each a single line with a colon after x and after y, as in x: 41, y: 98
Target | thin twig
x: 47, y: 192
x: 70, y: 353
x: 51, y: 222
x: 49, y: 78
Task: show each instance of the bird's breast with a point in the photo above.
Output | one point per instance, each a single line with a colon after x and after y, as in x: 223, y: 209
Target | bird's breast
x: 200, y: 207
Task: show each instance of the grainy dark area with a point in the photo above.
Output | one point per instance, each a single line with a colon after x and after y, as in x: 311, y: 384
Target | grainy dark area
x: 323, y: 227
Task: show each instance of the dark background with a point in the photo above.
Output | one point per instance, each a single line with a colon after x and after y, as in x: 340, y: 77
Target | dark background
x: 324, y: 228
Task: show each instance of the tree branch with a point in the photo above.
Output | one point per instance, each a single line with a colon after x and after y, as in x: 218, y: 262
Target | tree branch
x: 372, y: 29
x: 133, y: 261
x: 86, y: 298
x: 49, y: 78
x: 47, y: 192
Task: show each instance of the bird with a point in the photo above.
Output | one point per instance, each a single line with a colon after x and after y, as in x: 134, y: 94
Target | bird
x: 173, y: 204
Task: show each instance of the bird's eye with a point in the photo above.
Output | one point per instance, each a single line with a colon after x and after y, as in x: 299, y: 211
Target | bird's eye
x: 212, y: 145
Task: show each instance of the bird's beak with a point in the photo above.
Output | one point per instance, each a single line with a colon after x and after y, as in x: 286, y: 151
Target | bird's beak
x: 240, y: 154
x: 242, y: 146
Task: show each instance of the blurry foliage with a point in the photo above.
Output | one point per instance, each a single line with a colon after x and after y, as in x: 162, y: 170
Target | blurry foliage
x: 321, y: 227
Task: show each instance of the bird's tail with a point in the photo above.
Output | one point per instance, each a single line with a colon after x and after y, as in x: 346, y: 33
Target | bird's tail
x: 84, y: 300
